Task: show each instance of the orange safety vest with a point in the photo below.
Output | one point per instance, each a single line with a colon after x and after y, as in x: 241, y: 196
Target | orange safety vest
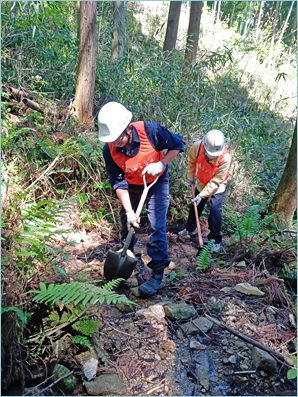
x: 133, y: 166
x: 205, y: 170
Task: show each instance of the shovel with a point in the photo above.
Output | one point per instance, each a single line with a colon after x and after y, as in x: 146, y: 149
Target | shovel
x: 200, y: 239
x: 121, y: 264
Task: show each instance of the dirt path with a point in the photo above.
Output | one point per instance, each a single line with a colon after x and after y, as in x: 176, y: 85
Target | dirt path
x: 155, y: 355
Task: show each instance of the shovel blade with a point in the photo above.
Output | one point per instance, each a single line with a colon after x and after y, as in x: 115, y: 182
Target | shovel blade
x: 118, y: 265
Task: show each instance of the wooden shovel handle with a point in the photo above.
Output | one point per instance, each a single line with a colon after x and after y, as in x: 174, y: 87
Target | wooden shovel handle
x: 138, y: 211
x: 197, y: 218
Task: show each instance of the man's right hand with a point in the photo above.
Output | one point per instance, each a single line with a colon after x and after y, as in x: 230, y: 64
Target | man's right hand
x: 132, y: 219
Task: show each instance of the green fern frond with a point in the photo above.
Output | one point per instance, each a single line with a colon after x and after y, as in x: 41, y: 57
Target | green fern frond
x: 110, y: 285
x: 87, y: 326
x: 21, y: 315
x: 204, y: 257
x: 81, y: 340
x: 77, y: 293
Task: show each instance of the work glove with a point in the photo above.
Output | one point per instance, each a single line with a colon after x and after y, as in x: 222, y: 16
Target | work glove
x: 197, y: 199
x: 132, y: 220
x: 154, y: 168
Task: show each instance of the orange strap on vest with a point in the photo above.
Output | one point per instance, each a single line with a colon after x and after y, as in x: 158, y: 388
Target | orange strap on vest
x: 133, y: 166
x: 205, y: 170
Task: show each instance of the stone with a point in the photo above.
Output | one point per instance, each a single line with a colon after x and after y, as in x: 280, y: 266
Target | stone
x: 156, y: 312
x: 226, y: 289
x: 67, y: 384
x: 241, y: 264
x: 232, y: 359
x: 135, y: 291
x: 179, y: 311
x: 90, y: 368
x: 263, y: 360
x: 89, y: 361
x: 200, y: 325
x: 106, y: 385
x: 248, y: 289
x: 203, y: 370
x: 196, y: 345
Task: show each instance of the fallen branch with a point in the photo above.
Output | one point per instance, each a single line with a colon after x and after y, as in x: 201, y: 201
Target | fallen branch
x: 250, y: 340
x: 26, y: 98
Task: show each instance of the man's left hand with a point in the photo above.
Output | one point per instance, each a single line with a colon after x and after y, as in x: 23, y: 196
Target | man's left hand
x: 197, y: 199
x: 154, y: 168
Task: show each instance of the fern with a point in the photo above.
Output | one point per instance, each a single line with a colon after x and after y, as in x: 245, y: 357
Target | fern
x: 204, y: 257
x: 78, y: 293
x: 21, y: 315
x: 81, y: 340
x: 250, y: 224
x: 86, y: 326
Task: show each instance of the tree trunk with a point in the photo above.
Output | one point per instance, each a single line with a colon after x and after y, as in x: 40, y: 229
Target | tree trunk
x: 84, y: 97
x: 218, y: 11
x: 285, y: 197
x: 260, y: 14
x: 283, y: 32
x: 172, y: 26
x: 294, y: 32
x: 193, y: 32
x: 232, y: 16
x: 118, y: 31
x: 274, y: 29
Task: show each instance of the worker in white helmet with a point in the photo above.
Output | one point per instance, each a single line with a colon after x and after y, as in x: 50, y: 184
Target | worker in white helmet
x: 133, y: 149
x: 208, y: 168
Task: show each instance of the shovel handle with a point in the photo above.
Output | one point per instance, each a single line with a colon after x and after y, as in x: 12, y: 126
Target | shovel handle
x: 197, y: 218
x: 138, y: 211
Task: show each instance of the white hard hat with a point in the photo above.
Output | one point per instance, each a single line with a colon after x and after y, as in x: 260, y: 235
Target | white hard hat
x: 214, y: 143
x: 113, y: 118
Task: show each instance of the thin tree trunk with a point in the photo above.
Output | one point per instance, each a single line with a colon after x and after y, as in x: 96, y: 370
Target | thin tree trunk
x: 118, y: 31
x: 172, y: 26
x: 84, y: 97
x: 193, y: 32
x: 214, y: 7
x: 218, y: 11
x: 284, y: 202
x: 274, y: 28
x: 294, y: 31
x: 260, y: 14
x: 283, y: 32
x: 232, y: 16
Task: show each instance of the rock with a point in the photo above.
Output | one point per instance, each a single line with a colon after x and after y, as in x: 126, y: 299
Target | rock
x: 135, y: 291
x: 226, y: 289
x: 179, y: 311
x: 232, y: 359
x: 240, y: 264
x: 156, y: 312
x: 90, y: 368
x: 67, y: 384
x: 89, y: 361
x: 203, y: 370
x: 248, y: 289
x: 106, y: 385
x: 196, y: 345
x: 239, y: 379
x: 263, y: 360
x: 198, y: 326
x: 132, y: 282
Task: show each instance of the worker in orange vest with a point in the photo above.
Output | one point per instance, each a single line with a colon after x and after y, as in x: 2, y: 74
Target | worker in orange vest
x: 133, y: 149
x: 208, y: 168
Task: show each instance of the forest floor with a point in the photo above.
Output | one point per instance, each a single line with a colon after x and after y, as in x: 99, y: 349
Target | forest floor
x: 148, y: 352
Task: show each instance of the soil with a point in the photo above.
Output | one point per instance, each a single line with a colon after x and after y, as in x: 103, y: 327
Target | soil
x: 156, y: 356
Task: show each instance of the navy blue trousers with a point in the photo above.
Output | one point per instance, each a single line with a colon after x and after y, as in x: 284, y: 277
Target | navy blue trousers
x: 157, y: 204
x: 214, y: 219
